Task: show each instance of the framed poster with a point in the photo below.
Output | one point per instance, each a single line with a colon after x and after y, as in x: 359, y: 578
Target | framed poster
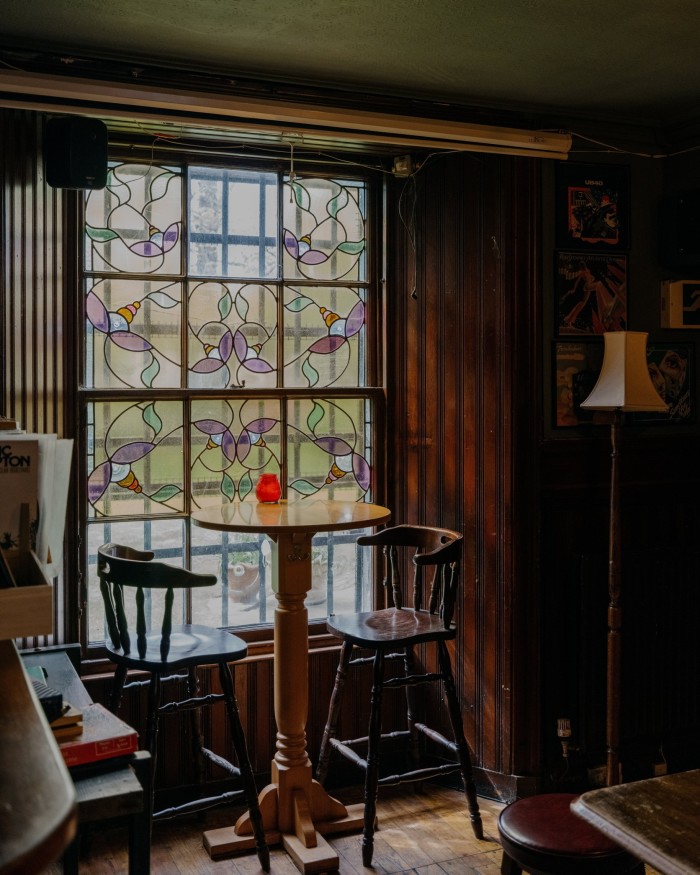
x: 590, y: 292
x: 671, y: 372
x: 576, y: 369
x: 593, y: 206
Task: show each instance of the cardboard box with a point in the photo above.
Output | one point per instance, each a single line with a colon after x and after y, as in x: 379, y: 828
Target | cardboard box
x: 26, y: 609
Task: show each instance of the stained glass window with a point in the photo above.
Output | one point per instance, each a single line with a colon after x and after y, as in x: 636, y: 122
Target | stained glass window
x: 225, y: 335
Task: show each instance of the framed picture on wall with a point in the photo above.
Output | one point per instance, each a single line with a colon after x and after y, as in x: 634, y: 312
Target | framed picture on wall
x: 671, y: 371
x: 590, y: 292
x: 576, y: 369
x: 593, y: 206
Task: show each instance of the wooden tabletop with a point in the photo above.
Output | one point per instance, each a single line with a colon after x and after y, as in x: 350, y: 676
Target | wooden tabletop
x: 657, y: 820
x: 37, y: 810
x: 297, y: 516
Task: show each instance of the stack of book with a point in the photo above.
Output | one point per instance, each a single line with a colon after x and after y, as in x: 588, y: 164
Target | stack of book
x: 69, y: 724
x: 98, y: 736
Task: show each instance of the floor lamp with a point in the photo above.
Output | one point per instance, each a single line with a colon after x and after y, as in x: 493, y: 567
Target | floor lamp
x: 623, y: 386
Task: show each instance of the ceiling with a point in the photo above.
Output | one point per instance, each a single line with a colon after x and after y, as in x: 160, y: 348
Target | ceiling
x: 631, y: 61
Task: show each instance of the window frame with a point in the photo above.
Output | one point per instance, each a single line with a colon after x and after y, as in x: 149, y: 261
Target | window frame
x: 258, y: 635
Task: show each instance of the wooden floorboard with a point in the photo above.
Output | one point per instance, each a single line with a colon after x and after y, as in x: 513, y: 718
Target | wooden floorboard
x: 428, y: 834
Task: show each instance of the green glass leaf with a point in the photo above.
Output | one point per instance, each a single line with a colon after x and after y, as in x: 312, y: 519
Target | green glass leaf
x: 242, y: 307
x: 224, y: 305
x: 337, y: 203
x: 228, y: 487
x: 150, y: 417
x: 165, y: 493
x: 352, y: 248
x: 301, y: 196
x: 310, y: 372
x: 315, y: 417
x: 163, y: 300
x: 100, y: 235
x: 298, y: 304
x: 303, y: 487
x: 149, y: 374
x: 245, y: 486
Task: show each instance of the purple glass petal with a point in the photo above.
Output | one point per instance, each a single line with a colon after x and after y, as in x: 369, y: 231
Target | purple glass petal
x: 260, y: 426
x: 146, y: 248
x: 98, y: 481
x: 240, y: 344
x: 243, y: 445
x: 207, y: 366
x: 361, y: 471
x: 257, y: 366
x: 334, y: 446
x: 225, y: 346
x: 127, y: 340
x: 313, y: 256
x: 170, y: 237
x: 132, y: 452
x: 228, y: 445
x: 209, y: 426
x: 355, y: 319
x: 96, y: 312
x: 291, y: 244
x: 326, y: 345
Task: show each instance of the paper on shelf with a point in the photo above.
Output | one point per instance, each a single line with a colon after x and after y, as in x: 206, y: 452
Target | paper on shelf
x: 35, y: 469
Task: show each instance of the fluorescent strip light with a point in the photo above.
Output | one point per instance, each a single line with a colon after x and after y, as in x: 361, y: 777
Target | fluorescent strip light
x: 83, y: 95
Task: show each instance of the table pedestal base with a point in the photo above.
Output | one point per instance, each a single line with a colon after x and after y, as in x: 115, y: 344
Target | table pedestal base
x: 314, y: 814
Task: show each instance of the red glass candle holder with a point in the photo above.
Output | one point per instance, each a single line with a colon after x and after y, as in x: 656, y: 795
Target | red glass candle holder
x: 268, y: 489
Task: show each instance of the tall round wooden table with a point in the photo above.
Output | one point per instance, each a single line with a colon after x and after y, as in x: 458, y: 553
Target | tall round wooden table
x: 296, y: 810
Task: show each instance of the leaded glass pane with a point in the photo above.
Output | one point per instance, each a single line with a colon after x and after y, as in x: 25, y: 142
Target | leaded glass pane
x: 134, y: 225
x: 242, y: 564
x: 133, y: 330
x: 324, y: 229
x: 165, y: 537
x: 328, y: 448
x: 135, y: 458
x: 232, y: 223
x: 232, y: 443
x: 323, y: 336
x: 245, y: 317
x: 232, y: 335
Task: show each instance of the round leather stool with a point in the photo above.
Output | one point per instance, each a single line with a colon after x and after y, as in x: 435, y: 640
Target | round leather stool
x: 542, y: 836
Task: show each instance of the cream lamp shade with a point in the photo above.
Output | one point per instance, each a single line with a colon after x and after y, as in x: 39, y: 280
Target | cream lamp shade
x: 624, y: 383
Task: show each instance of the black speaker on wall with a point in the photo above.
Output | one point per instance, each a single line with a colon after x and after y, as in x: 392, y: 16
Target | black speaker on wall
x: 679, y: 231
x: 75, y: 152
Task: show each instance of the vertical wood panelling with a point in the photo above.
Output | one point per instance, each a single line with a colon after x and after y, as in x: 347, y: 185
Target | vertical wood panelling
x: 459, y: 375
x: 32, y: 293
x: 35, y: 357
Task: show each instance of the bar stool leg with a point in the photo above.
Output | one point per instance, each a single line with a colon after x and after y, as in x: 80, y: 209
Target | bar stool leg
x: 409, y: 662
x: 461, y: 742
x: 193, y: 690
x: 115, y: 694
x: 372, y: 774
x: 247, y: 777
x: 333, y: 712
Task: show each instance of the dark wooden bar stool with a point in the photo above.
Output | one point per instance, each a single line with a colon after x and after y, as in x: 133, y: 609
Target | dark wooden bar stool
x: 174, y: 652
x: 402, y: 629
x: 542, y: 836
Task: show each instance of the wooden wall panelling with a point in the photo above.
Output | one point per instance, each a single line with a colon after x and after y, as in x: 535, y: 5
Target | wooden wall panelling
x: 37, y: 308
x: 454, y: 376
x: 660, y: 601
